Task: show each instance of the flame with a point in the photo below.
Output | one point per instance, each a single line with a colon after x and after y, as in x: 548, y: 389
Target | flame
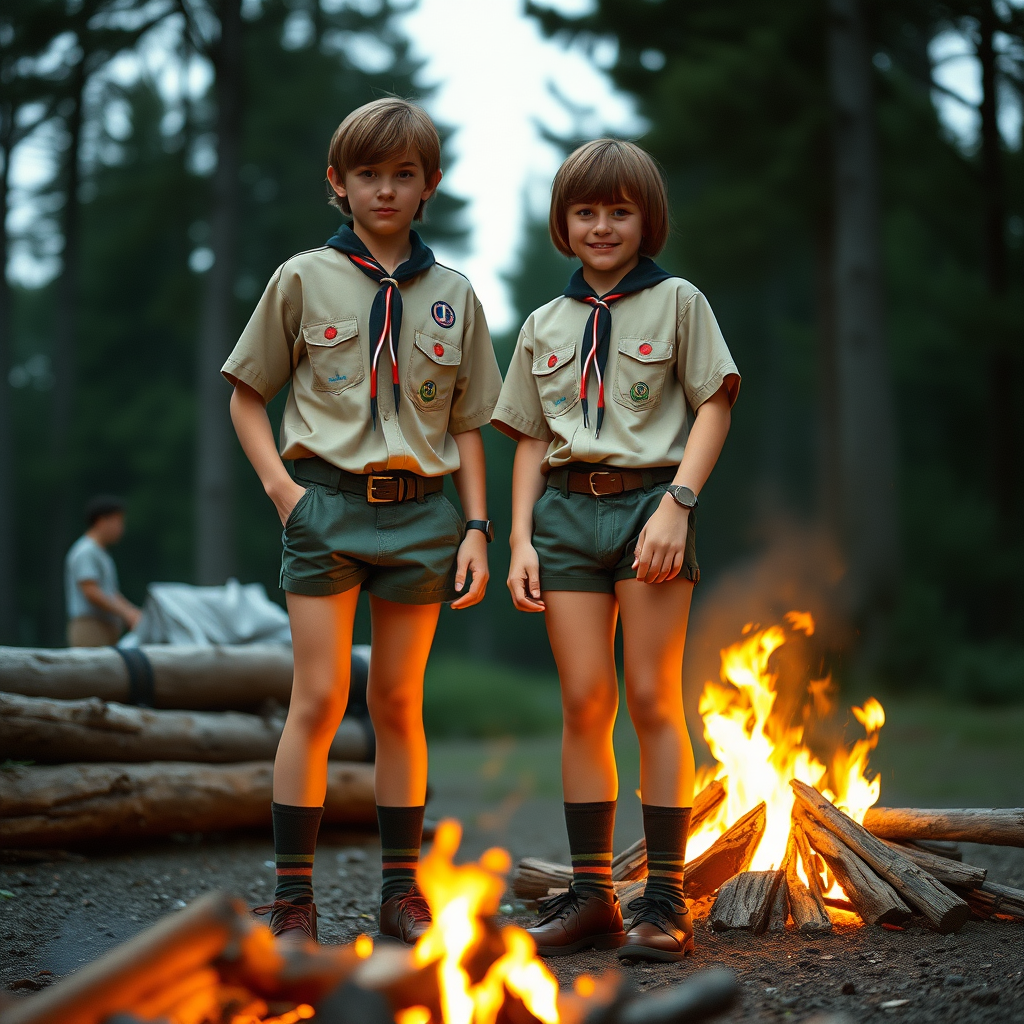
x: 758, y: 753
x: 461, y: 897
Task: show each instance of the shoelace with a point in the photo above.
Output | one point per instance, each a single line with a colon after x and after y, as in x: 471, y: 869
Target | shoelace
x: 413, y: 904
x: 659, y: 911
x: 560, y: 906
x: 286, y: 916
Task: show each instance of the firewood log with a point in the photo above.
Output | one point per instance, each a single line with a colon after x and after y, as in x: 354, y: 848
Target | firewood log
x: 946, y: 911
x: 992, y: 898
x: 702, y: 996
x: 533, y: 877
x: 949, y: 872
x: 996, y: 826
x: 745, y: 901
x: 805, y: 900
x: 951, y: 851
x: 45, y: 730
x: 63, y: 805
x: 730, y: 854
x: 873, y: 898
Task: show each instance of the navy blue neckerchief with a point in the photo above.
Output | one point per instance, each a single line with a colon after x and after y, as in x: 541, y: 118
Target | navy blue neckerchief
x: 386, y: 311
x: 598, y: 332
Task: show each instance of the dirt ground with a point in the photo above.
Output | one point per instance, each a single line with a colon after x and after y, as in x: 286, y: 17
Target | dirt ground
x: 56, y: 915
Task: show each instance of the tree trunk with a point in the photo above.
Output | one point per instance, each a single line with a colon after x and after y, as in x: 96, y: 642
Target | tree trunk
x: 8, y: 564
x: 214, y: 524
x: 865, y: 415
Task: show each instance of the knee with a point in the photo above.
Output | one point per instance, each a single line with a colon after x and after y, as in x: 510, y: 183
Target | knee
x: 317, y: 714
x: 399, y: 712
x: 589, y: 710
x: 652, y: 712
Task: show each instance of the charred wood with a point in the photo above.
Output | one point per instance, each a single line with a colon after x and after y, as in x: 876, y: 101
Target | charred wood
x: 805, y: 899
x: 745, y: 901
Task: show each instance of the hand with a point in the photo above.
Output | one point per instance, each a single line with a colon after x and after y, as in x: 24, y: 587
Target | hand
x: 472, y: 559
x: 285, y: 498
x: 132, y: 616
x: 659, y: 551
x: 524, y: 578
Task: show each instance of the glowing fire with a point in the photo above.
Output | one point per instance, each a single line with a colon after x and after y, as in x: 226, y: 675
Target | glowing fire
x: 461, y: 898
x: 758, y: 753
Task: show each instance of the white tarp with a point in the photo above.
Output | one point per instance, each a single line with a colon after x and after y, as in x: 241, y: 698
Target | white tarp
x: 237, y: 613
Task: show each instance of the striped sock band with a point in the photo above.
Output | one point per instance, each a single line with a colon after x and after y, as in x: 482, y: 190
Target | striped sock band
x: 591, y: 827
x: 401, y: 834
x: 295, y: 832
x: 665, y: 830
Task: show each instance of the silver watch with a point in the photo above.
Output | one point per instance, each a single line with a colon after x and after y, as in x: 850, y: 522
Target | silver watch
x: 682, y: 496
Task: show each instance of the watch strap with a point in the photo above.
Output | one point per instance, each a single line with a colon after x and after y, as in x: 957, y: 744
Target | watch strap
x: 681, y: 496
x: 484, y: 525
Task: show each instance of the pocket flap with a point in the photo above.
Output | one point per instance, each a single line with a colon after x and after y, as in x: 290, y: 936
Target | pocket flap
x: 645, y: 350
x: 328, y: 333
x: 548, y: 362
x: 440, y: 351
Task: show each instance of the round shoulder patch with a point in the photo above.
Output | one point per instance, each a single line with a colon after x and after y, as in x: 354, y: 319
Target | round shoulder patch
x: 443, y: 314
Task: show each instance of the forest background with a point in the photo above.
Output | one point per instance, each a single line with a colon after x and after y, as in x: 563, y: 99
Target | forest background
x: 866, y: 265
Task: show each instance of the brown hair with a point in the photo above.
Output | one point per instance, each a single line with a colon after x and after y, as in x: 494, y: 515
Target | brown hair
x: 611, y: 171
x: 380, y: 131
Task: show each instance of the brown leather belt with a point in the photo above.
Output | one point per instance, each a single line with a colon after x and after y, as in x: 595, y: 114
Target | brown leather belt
x: 386, y: 488
x: 602, y: 482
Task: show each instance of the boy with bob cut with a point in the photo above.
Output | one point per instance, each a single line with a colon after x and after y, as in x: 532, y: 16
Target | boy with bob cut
x: 619, y: 395
x: 392, y: 374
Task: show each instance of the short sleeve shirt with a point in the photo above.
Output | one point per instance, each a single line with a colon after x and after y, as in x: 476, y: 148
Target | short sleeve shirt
x: 311, y: 329
x: 87, y: 560
x: 666, y: 357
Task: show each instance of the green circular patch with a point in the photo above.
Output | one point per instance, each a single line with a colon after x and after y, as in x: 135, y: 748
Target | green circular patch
x: 428, y: 391
x: 640, y: 392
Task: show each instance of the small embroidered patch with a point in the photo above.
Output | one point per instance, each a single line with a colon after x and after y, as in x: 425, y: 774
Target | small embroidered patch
x: 331, y: 333
x: 552, y: 360
x: 645, y: 349
x: 439, y: 350
x: 428, y: 391
x: 337, y: 380
x: 640, y: 392
x: 443, y: 314
x: 559, y: 401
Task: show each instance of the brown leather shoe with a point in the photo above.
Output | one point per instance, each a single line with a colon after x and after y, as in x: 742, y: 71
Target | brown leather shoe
x: 660, y: 930
x: 290, y: 922
x: 405, y: 917
x: 577, y: 920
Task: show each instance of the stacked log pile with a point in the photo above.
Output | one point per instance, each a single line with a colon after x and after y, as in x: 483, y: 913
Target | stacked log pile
x: 162, y: 740
x: 896, y: 865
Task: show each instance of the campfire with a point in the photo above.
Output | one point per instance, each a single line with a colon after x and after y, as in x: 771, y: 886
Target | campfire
x: 781, y: 833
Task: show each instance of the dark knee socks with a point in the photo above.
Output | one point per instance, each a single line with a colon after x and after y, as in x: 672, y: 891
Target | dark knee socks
x: 401, y: 834
x: 665, y: 830
x: 295, y: 831
x: 591, y: 827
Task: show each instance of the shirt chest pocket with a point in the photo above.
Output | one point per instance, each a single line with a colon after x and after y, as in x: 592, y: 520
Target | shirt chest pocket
x: 643, y: 368
x: 557, y: 376
x: 334, y: 354
x: 433, y: 367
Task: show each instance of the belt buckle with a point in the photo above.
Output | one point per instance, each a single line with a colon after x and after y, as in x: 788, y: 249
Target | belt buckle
x: 373, y: 484
x: 593, y: 489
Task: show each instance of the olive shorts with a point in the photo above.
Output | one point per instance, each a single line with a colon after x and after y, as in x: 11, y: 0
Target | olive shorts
x: 587, y: 543
x: 405, y: 551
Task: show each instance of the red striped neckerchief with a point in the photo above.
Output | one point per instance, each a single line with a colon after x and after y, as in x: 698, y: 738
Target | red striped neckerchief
x: 597, y: 334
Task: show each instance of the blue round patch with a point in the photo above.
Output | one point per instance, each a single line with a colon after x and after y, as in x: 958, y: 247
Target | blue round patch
x: 443, y: 314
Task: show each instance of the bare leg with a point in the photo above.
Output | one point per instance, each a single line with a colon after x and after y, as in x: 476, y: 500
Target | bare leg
x: 322, y: 649
x: 581, y: 629
x: 402, y: 635
x: 654, y: 620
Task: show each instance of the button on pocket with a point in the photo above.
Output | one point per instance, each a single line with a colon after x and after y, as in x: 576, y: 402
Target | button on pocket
x: 433, y: 367
x: 557, y: 376
x: 643, y: 366
x: 334, y: 354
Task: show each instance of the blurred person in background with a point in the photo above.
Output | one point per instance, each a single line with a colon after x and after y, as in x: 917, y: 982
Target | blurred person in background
x: 97, y: 610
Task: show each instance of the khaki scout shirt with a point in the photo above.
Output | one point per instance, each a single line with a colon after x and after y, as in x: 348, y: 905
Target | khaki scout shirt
x: 311, y: 327
x: 666, y: 357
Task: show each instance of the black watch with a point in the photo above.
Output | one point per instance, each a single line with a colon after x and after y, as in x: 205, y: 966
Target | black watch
x: 484, y: 525
x: 682, y: 496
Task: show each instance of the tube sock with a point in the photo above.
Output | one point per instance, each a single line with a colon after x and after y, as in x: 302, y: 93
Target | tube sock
x: 401, y: 834
x: 295, y: 831
x: 665, y: 829
x: 591, y: 827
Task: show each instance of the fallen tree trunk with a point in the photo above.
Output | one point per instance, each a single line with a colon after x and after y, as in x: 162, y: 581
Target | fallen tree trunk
x: 874, y: 899
x: 745, y: 901
x: 806, y: 904
x: 996, y: 826
x: 59, y: 731
x: 949, y: 872
x: 64, y: 805
x: 941, y: 906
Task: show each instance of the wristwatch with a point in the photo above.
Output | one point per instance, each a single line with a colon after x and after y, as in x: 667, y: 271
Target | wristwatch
x: 682, y: 496
x: 484, y: 525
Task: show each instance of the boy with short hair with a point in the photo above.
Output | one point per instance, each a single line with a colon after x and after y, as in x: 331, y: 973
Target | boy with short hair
x: 392, y: 374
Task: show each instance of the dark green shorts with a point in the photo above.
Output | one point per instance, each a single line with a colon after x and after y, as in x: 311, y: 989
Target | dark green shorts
x: 404, y: 552
x: 587, y: 543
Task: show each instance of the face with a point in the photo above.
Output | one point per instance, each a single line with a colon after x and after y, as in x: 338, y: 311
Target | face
x: 384, y: 197
x: 110, y: 528
x: 605, y: 236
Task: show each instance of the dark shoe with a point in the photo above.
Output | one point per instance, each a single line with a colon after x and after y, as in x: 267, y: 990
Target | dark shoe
x: 660, y: 930
x: 578, y: 920
x: 405, y: 917
x: 291, y: 922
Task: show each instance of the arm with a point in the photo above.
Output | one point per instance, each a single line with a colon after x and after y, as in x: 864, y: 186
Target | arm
x: 659, y: 552
x: 470, y: 481
x: 252, y: 425
x: 527, y: 487
x: 115, y: 604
